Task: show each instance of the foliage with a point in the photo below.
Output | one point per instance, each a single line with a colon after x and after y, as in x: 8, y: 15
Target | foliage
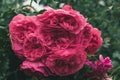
x: 103, y: 14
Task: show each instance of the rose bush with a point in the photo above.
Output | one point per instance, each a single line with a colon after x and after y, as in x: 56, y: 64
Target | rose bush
x: 56, y: 42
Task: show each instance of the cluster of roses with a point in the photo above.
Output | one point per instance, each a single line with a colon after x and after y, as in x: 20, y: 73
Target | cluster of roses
x: 56, y: 42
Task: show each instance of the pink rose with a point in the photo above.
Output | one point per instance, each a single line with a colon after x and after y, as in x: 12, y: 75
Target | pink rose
x: 70, y: 19
x: 57, y: 38
x: 66, y: 62
x: 33, y: 48
x: 60, y: 27
x: 35, y: 68
x: 103, y: 65
x: 95, y: 42
x: 55, y: 42
x: 100, y: 67
x: 19, y: 28
x: 85, y: 35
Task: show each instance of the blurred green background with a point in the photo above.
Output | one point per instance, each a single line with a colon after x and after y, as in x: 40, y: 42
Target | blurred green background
x: 103, y: 14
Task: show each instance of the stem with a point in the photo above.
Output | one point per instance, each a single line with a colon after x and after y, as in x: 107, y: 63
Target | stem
x: 34, y: 78
x: 92, y: 56
x: 31, y: 2
x: 30, y: 7
x: 116, y: 69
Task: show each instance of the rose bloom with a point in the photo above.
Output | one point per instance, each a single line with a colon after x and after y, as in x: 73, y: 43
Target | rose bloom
x: 35, y: 68
x: 103, y: 65
x: 85, y: 35
x: 66, y: 18
x: 33, y: 48
x: 60, y: 27
x: 95, y: 42
x: 19, y: 28
x: 100, y: 67
x: 66, y: 62
x: 57, y: 38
